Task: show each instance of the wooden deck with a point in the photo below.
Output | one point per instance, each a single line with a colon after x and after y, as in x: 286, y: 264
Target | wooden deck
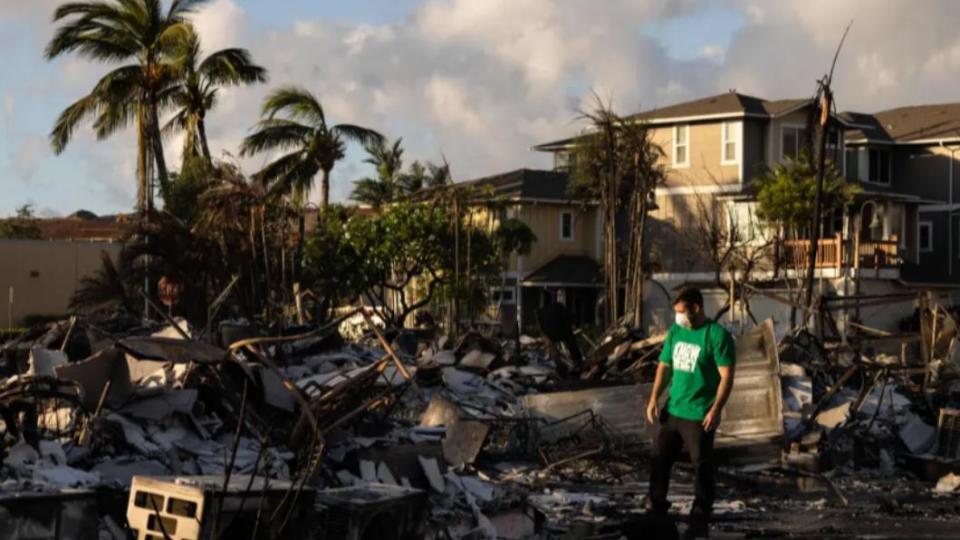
x: 835, y: 253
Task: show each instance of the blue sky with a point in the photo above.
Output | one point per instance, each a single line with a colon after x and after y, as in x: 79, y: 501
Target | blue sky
x: 363, y: 11
x: 474, y: 82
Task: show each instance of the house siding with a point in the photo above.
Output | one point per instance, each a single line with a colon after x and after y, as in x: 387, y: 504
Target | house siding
x: 704, y: 153
x: 544, y: 221
x: 924, y: 171
x: 673, y: 236
x: 934, y: 266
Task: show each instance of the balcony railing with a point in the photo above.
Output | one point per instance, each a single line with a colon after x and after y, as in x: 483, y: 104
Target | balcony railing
x: 835, y: 252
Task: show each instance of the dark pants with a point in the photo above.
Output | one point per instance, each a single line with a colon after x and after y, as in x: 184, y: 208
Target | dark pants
x: 675, y: 434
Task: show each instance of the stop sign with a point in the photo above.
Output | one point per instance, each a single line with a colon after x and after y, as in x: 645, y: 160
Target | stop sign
x: 169, y: 290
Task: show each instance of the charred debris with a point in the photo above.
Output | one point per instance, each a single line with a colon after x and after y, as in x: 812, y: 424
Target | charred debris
x: 117, y: 429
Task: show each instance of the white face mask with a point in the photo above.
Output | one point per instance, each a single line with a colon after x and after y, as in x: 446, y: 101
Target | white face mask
x: 683, y: 320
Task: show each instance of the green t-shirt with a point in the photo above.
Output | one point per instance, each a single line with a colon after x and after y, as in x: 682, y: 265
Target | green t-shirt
x: 694, y: 355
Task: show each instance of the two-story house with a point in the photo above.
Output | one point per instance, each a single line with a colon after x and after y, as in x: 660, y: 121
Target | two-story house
x: 911, y: 152
x: 900, y: 232
x: 562, y: 264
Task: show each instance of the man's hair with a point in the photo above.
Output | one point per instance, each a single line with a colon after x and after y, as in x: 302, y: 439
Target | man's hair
x: 690, y: 296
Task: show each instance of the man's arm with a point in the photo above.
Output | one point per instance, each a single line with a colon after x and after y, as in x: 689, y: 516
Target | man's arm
x: 660, y: 382
x: 712, y: 420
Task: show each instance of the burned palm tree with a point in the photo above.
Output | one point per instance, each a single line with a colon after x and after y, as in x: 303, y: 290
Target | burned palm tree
x: 615, y: 163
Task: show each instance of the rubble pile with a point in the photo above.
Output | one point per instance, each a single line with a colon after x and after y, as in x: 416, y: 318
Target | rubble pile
x: 473, y: 437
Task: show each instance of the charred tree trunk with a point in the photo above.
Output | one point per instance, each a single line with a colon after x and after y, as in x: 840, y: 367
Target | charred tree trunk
x: 818, y: 199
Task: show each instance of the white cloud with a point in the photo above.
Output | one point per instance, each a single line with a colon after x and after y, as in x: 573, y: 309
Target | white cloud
x: 219, y: 23
x: 712, y: 52
x: 29, y: 151
x: 481, y: 81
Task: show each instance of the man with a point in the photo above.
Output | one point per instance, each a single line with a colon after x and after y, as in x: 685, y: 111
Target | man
x: 699, y: 356
x: 557, y: 327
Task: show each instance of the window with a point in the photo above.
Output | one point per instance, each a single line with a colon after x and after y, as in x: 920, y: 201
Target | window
x: 566, y: 225
x: 729, y: 137
x: 561, y: 161
x: 792, y: 141
x: 740, y: 227
x: 925, y: 236
x: 681, y: 146
x: 879, y: 167
x: 853, y: 164
x: 502, y: 296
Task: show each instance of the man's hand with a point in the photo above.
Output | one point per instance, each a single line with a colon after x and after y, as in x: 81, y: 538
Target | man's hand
x: 712, y: 420
x: 653, y: 411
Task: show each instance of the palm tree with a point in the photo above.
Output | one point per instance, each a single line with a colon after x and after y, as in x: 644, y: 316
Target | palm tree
x: 293, y: 120
x: 196, y: 90
x: 313, y: 145
x: 388, y: 162
x: 118, y: 31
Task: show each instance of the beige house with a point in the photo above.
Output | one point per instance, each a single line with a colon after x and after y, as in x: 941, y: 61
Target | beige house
x: 901, y: 232
x: 563, y: 263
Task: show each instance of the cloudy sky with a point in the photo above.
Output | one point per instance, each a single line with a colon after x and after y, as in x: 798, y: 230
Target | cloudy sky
x: 475, y: 81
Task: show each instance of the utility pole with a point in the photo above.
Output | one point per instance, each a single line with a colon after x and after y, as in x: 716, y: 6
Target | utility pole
x: 825, y: 102
x: 824, y: 122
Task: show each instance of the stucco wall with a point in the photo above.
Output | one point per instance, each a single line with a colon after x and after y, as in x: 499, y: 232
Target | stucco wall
x: 44, y: 274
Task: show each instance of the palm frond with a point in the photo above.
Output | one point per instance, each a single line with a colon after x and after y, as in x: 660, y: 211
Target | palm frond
x: 296, y: 103
x: 358, y: 134
x: 275, y: 134
x: 113, y: 117
x: 181, y: 8
x: 178, y: 122
x: 69, y: 119
x: 231, y: 67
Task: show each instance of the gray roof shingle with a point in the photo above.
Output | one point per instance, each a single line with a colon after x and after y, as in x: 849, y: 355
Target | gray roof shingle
x: 526, y: 184
x: 907, y: 124
x: 731, y: 103
x: 567, y: 269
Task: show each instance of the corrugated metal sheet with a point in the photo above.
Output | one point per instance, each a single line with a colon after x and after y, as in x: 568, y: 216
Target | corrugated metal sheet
x: 620, y: 407
x: 753, y: 415
x: 755, y: 409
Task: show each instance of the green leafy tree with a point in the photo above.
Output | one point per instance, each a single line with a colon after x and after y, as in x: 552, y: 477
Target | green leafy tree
x: 401, y: 258
x: 181, y: 196
x: 23, y: 226
x: 113, y: 31
x: 332, y: 271
x: 785, y: 193
x: 199, y: 81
